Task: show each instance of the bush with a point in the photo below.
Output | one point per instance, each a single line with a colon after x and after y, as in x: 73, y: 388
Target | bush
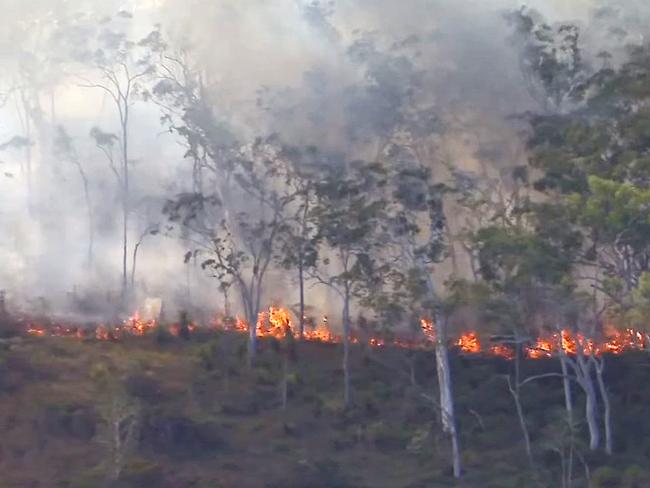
x: 385, y: 436
x: 145, y: 387
x: 162, y: 335
x: 71, y: 421
x: 208, y: 354
x: 322, y: 474
x: 140, y: 473
x: 181, y: 436
x: 636, y: 477
x: 606, y: 477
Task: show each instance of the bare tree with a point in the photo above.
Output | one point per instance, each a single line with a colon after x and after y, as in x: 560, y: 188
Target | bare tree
x: 64, y: 146
x: 122, y: 65
x: 121, y: 416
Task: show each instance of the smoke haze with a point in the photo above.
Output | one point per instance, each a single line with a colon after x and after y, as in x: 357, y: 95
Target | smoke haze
x: 285, y: 67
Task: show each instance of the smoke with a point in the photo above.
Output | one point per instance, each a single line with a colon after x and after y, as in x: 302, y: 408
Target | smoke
x: 289, y: 67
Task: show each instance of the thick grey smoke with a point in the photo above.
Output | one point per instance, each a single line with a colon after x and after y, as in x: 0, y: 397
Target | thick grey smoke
x: 286, y: 67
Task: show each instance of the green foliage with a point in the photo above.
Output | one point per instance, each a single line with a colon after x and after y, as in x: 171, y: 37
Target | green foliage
x: 208, y: 354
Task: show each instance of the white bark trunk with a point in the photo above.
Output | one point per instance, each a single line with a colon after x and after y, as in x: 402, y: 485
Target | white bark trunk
x: 591, y: 402
x: 606, y: 404
x: 447, y: 414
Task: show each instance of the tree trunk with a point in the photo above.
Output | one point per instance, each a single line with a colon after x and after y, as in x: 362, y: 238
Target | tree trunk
x: 251, y: 317
x: 301, y: 284
x: 135, y: 262
x: 591, y: 404
x: 125, y: 199
x: 252, y: 341
x: 285, y: 379
x: 346, y: 348
x: 514, y: 391
x: 448, y: 418
x: 566, y: 381
x: 606, y: 404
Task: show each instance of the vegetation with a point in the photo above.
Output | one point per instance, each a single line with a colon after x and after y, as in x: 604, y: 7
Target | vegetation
x: 557, y: 245
x: 199, y: 413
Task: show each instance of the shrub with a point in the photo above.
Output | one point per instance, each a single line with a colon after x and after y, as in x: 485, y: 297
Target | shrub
x: 181, y: 436
x: 606, y: 477
x: 144, y: 386
x: 208, y: 353
x: 142, y: 473
x: 636, y: 477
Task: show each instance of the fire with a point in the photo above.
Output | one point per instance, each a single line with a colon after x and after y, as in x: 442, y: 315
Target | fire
x: 620, y: 341
x: 101, y: 333
x: 502, y: 351
x: 542, y: 349
x: 428, y: 329
x: 469, y: 343
x: 277, y: 322
x: 136, y: 326
x: 36, y: 331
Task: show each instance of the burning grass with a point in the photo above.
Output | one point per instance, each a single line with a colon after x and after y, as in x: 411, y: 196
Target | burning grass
x: 277, y: 323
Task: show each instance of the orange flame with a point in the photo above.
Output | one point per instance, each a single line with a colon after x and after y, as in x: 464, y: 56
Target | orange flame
x: 469, y: 343
x: 276, y: 322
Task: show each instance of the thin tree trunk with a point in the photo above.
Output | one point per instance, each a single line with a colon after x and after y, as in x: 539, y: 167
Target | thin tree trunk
x: 514, y: 391
x: 605, y: 397
x: 591, y: 404
x: 252, y: 336
x: 568, y: 405
x: 89, y: 209
x: 135, y: 261
x: 346, y: 347
x: 301, y: 284
x: 446, y: 397
x: 566, y: 381
x: 125, y: 198
x: 285, y: 379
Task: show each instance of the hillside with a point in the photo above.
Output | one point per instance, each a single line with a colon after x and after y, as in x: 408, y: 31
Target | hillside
x: 202, y: 419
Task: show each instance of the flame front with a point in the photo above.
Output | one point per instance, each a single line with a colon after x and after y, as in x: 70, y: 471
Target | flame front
x: 277, y: 322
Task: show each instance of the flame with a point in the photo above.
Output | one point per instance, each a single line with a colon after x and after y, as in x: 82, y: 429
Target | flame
x: 469, y: 343
x: 277, y: 322
x: 428, y: 329
x: 502, y: 351
x: 36, y: 331
x: 136, y: 326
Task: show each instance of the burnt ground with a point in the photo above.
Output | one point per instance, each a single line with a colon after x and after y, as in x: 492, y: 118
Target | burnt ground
x: 206, y: 420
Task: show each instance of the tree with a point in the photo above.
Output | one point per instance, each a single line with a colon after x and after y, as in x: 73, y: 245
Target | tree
x: 121, y: 416
x: 550, y: 57
x: 122, y: 66
x: 299, y: 242
x: 351, y: 220
x: 238, y: 248
x: 64, y: 146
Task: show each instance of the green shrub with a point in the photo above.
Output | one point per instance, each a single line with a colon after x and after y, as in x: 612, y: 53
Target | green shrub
x: 606, y: 477
x: 208, y: 354
x: 636, y: 477
x: 386, y: 436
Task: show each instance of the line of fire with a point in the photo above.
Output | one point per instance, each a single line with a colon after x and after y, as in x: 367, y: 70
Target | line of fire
x: 277, y: 322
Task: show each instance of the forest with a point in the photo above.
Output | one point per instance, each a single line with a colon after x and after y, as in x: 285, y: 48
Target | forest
x: 324, y: 244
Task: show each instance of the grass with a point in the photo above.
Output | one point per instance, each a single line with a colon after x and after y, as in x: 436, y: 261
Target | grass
x: 208, y: 421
